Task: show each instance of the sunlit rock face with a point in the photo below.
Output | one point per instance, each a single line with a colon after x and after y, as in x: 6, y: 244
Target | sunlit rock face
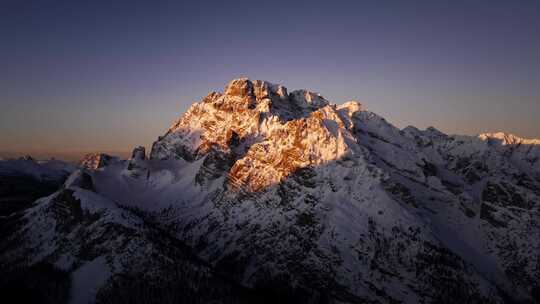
x: 287, y: 192
x: 95, y: 161
x: 248, y: 109
x: 268, y: 132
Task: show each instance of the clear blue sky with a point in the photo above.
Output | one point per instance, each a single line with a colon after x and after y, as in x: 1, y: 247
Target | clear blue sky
x: 108, y: 75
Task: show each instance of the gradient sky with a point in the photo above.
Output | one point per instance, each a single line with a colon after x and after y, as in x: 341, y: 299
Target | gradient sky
x: 109, y: 75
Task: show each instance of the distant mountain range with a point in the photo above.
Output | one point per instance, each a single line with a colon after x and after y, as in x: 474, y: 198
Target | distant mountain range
x: 258, y: 194
x: 70, y: 156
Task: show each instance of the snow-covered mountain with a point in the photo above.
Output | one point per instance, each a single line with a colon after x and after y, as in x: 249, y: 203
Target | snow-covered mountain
x: 258, y: 191
x: 38, y: 169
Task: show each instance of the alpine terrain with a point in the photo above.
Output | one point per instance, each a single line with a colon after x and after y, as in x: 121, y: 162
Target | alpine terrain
x: 258, y: 194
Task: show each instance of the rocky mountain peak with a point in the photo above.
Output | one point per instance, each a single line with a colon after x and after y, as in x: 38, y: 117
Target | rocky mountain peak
x: 257, y: 89
x: 508, y: 139
x: 241, y: 87
x: 139, y: 153
x: 27, y: 158
x: 266, y: 132
x: 94, y: 161
x: 308, y: 99
x: 352, y: 106
x: 267, y: 97
x: 248, y: 109
x: 249, y: 94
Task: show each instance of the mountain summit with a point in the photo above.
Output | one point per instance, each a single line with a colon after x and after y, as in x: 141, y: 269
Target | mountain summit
x: 260, y: 194
x: 265, y: 133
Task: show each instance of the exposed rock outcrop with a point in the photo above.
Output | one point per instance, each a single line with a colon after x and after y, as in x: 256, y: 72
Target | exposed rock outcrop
x: 94, y: 161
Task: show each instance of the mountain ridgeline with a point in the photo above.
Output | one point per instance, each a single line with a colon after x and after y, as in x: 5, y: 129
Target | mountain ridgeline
x: 258, y: 194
